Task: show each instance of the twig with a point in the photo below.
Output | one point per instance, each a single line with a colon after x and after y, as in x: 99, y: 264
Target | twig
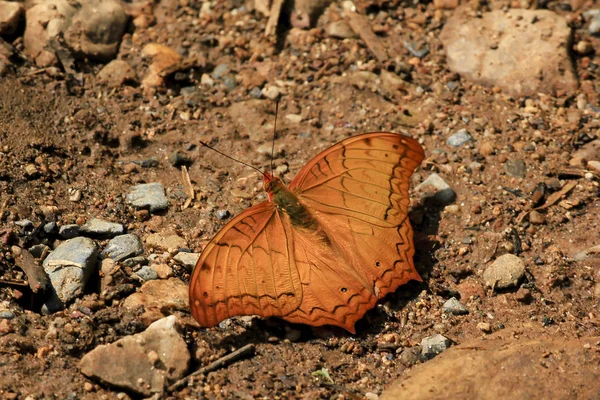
x: 274, y: 17
x: 13, y: 282
x: 187, y: 185
x: 218, y: 364
x: 360, y: 25
x: 37, y: 277
x: 3, y: 208
x: 552, y: 199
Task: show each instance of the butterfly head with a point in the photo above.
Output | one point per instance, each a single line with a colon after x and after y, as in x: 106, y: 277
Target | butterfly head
x: 272, y: 184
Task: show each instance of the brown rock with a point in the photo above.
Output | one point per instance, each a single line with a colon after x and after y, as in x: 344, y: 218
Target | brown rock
x: 162, y: 57
x: 445, y: 4
x: 537, y: 218
x: 165, y: 241
x: 506, y: 271
x: 11, y: 14
x: 488, y: 50
x: 143, y: 363
x: 502, y: 366
x: 470, y: 289
x: 116, y: 73
x: 486, y: 149
x: 159, y: 298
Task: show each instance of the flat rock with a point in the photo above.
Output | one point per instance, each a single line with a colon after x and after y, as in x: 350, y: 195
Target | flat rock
x: 188, y: 260
x: 431, y: 346
x: 529, y: 365
x: 506, y: 271
x: 437, y: 188
x: 146, y: 273
x: 158, y: 296
x: 453, y: 306
x: 144, y: 363
x: 148, y: 195
x: 69, y: 267
x: 489, y: 50
x: 11, y: 14
x: 123, y: 247
x: 165, y: 241
x: 459, y: 138
x: 516, y: 167
x: 69, y: 231
x: 100, y: 228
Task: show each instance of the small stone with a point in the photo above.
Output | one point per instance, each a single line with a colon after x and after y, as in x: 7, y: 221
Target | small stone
x: 163, y: 271
x: 88, y: 387
x: 135, y: 261
x: 584, y: 47
x: 220, y: 71
x: 75, y: 196
x: 371, y: 396
x: 453, y: 306
x: 50, y: 227
x: 459, y: 138
x: 516, y: 168
x: 206, y: 80
x: 505, y: 272
x: 340, y: 30
x: 7, y: 314
x: 11, y: 14
x: 523, y: 295
x: 294, y: 118
x: 25, y: 224
x: 255, y: 93
x: 165, y: 242
x: 148, y: 195
x: 188, y: 260
x: 484, y: 327
x: 442, y: 193
x: 147, y: 273
x: 271, y: 92
x: 178, y: 158
x: 158, y: 297
x: 116, y: 73
x: 431, y: 346
x: 100, y: 228
x: 410, y: 356
x: 123, y: 246
x: 486, y: 149
x: 577, y: 161
x: 537, y: 218
x: 594, y: 27
x: 223, y: 214
x: 31, y: 170
x: 69, y: 266
x: 68, y: 231
x: 594, y: 165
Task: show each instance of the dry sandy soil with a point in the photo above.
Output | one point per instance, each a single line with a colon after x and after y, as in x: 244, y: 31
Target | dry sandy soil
x: 81, y: 134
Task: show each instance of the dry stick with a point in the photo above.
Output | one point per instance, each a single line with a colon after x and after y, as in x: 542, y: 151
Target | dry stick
x: 274, y: 17
x: 360, y: 25
x: 187, y: 185
x: 552, y: 199
x: 220, y: 363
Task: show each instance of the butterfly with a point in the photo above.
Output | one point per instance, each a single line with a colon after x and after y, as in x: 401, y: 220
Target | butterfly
x: 322, y: 250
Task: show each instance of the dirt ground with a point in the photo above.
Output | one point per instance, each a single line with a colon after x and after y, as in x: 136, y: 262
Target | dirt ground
x: 81, y: 134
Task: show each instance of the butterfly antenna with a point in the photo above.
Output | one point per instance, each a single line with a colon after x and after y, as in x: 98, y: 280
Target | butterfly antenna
x: 231, y: 158
x: 274, y: 133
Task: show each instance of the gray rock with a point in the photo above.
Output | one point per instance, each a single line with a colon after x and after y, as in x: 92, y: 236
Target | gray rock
x: 490, y: 50
x: 188, y: 260
x: 144, y: 363
x: 223, y: 214
x: 7, y: 314
x: 25, y: 224
x: 431, y: 346
x: 229, y: 82
x: 147, y: 273
x: 220, y: 71
x: 453, y: 306
x: 148, y: 195
x: 516, y: 168
x: 442, y: 193
x: 410, y: 356
x: 11, y: 14
x: 594, y: 27
x: 135, y: 261
x: 123, y: 247
x: 505, y: 272
x: 255, y: 93
x: 69, y: 267
x: 69, y: 231
x: 459, y: 138
x: 50, y: 227
x: 100, y: 228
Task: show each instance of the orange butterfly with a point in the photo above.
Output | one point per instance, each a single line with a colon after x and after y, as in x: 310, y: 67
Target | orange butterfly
x: 321, y: 251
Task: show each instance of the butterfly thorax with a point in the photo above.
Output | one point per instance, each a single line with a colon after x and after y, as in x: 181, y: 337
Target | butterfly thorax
x: 287, y: 201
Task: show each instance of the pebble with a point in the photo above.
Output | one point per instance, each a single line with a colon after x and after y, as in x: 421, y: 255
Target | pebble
x: 484, y: 327
x: 157, y: 296
x: 50, y: 227
x: 220, y: 71
x: 75, y: 196
x: 7, y: 314
x: 69, y: 266
x: 516, y: 168
x: 163, y: 271
x: 505, y: 272
x: 100, y: 228
x: 459, y: 138
x: 11, y: 14
x: 255, y: 93
x: 486, y: 149
x: 294, y: 118
x: 523, y: 295
x: 223, y: 214
x: 537, y: 218
x: 135, y: 261
x: 431, y: 346
x: 31, y: 170
x: 584, y: 47
x: 594, y: 27
x: 594, y: 165
x: 116, y: 73
x: 188, y: 260
x: 443, y: 193
x: 271, y: 92
x: 147, y: 273
x: 148, y: 195
x: 25, y: 224
x: 409, y: 356
x: 123, y: 246
x: 151, y: 359
x: 340, y: 30
x: 69, y: 231
x: 165, y: 241
x: 453, y: 306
